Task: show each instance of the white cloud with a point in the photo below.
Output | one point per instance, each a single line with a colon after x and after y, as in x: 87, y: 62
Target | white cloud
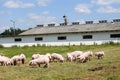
x: 107, y: 6
x: 108, y: 9
x: 83, y: 8
x: 43, y: 3
x: 106, y: 2
x: 42, y: 19
x: 17, y: 4
x: 45, y: 12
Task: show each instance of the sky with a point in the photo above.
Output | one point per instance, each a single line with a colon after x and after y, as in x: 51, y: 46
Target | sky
x: 29, y: 13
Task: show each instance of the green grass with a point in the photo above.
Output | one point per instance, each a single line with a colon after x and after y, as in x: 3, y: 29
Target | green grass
x: 64, y: 71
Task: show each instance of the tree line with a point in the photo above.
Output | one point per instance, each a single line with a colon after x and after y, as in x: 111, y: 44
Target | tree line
x: 11, y: 32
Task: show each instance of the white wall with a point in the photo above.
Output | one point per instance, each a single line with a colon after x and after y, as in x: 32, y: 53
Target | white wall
x: 51, y: 40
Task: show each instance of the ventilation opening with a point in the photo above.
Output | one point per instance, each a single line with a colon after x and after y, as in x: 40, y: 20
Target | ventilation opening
x: 17, y: 39
x: 51, y: 25
x: 62, y: 37
x: 103, y: 21
x: 62, y: 24
x: 87, y: 36
x: 40, y: 25
x: 38, y: 38
x: 89, y: 22
x: 116, y: 20
x: 75, y: 23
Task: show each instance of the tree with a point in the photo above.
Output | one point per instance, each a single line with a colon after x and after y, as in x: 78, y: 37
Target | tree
x: 10, y: 32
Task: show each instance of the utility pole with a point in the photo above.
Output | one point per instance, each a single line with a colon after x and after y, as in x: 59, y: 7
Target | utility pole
x: 13, y: 26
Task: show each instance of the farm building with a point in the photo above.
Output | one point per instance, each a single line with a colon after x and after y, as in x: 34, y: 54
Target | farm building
x: 75, y: 34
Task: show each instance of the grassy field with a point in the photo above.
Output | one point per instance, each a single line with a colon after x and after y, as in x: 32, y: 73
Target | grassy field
x: 107, y: 68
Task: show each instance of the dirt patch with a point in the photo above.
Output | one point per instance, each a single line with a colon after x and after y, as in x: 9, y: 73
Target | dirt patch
x: 114, y: 67
x: 96, y: 68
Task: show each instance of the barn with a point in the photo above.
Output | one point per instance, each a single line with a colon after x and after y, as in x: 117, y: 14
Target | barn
x: 88, y: 33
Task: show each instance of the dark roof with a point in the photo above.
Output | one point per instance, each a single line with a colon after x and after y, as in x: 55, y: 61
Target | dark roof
x: 81, y: 28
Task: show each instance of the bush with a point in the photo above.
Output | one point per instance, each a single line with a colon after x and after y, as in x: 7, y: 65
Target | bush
x: 43, y: 45
x: 25, y: 46
x: 34, y: 46
x: 14, y: 46
x: 38, y: 45
x: 1, y: 46
x: 110, y: 43
x: 95, y: 43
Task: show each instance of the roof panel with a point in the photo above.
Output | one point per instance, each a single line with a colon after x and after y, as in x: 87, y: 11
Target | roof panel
x: 73, y: 28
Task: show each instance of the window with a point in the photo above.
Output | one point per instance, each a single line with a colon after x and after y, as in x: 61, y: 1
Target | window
x: 116, y: 20
x: 62, y: 38
x: 75, y: 23
x: 87, y: 36
x: 103, y: 21
x: 51, y: 25
x: 62, y: 24
x: 38, y: 38
x: 89, y: 22
x: 18, y: 39
x: 115, y: 35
